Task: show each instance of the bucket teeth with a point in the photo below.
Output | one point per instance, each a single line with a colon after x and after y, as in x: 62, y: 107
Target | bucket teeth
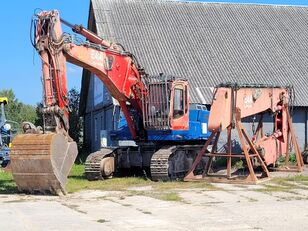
x: 41, y: 162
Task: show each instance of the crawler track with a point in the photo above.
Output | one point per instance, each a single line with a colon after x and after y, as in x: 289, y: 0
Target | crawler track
x: 93, y: 163
x: 173, y: 162
x: 160, y: 163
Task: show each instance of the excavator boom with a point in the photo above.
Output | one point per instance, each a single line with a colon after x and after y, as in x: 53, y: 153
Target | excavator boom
x: 42, y: 158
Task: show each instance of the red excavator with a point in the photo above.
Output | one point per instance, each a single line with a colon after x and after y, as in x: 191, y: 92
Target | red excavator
x: 156, y: 111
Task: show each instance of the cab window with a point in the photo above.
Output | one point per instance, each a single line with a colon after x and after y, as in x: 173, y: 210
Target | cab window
x: 178, y: 103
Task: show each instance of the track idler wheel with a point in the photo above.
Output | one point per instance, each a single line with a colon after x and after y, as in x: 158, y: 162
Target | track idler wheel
x: 107, y: 167
x: 42, y: 162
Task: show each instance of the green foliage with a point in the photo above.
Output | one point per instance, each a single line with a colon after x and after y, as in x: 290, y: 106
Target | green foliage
x: 39, y: 116
x: 75, y: 121
x: 281, y: 160
x: 292, y: 158
x: 16, y: 110
x: 239, y: 164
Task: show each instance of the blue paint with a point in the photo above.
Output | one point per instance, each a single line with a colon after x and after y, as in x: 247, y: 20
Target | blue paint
x: 4, y: 156
x: 4, y: 150
x: 198, y: 121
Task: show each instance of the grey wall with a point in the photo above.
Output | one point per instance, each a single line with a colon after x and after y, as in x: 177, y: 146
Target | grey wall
x: 98, y: 119
x: 299, y: 123
x: 300, y: 120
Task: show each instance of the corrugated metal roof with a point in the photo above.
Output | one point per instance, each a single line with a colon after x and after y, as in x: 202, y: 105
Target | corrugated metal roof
x: 210, y: 43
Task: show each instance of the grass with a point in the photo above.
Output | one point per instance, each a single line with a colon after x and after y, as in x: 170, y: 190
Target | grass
x: 160, y: 190
x: 172, y: 196
x: 268, y: 188
x: 161, y: 195
x: 285, y: 184
x: 77, y: 182
x: 162, y: 186
x: 7, y: 184
x: 298, y: 178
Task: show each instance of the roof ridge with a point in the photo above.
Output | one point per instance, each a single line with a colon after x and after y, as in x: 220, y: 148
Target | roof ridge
x: 221, y: 3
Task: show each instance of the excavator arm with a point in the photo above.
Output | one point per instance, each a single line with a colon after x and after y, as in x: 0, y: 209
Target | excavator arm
x: 41, y: 160
x: 114, y: 66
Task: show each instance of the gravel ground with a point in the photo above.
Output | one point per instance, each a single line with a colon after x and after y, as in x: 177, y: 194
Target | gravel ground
x: 225, y: 207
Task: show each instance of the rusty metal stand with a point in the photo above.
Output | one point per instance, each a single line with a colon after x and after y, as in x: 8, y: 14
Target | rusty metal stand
x: 299, y: 167
x: 249, y: 152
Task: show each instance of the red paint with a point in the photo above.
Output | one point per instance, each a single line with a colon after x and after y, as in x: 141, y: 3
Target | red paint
x: 115, y: 68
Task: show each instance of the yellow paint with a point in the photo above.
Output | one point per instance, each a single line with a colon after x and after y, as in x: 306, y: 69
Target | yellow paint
x: 3, y: 100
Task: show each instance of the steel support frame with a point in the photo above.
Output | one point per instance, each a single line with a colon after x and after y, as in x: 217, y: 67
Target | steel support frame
x: 299, y: 167
x: 249, y: 152
x: 246, y: 144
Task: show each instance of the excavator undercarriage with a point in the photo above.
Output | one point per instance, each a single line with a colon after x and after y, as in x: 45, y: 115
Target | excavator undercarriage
x: 161, y: 163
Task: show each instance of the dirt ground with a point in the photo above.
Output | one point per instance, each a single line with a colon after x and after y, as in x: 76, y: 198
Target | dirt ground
x: 272, y: 206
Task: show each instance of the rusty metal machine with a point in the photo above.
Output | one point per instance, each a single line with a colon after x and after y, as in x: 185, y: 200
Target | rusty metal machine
x: 233, y: 102
x: 156, y: 109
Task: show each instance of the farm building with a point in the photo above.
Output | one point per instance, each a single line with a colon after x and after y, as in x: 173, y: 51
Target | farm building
x: 207, y: 43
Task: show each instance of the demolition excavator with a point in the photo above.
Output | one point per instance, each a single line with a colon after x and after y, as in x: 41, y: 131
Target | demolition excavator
x: 169, y: 132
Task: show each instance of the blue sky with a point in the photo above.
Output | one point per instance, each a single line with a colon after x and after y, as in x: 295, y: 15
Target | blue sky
x: 19, y: 63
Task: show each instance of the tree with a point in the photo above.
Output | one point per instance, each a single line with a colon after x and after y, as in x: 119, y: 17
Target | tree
x: 16, y: 110
x: 39, y: 115
x: 75, y: 121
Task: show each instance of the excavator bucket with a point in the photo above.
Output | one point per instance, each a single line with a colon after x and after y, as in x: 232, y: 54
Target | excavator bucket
x: 42, y: 162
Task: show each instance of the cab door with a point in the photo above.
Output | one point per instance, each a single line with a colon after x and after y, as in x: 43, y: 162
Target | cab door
x: 179, y: 106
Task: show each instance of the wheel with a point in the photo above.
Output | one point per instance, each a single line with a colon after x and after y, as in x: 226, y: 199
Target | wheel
x: 107, y: 167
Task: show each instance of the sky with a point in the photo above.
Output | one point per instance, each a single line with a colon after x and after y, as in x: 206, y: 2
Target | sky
x: 19, y: 63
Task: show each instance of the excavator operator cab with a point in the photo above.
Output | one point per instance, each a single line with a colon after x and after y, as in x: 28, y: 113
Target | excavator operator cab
x: 166, y: 106
x: 179, y: 104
